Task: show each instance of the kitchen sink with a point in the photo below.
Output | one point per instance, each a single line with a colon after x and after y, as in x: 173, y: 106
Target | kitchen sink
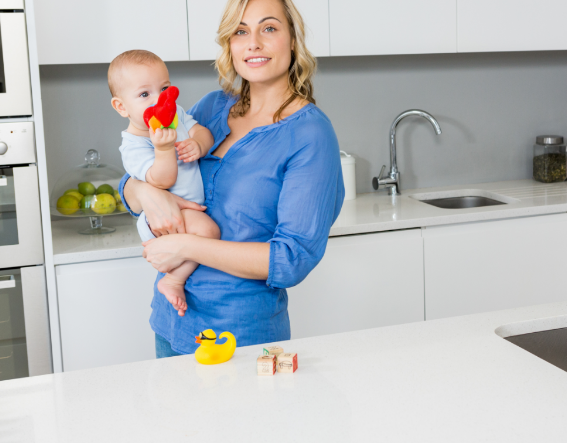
x: 468, y: 201
x: 463, y: 199
x: 550, y: 346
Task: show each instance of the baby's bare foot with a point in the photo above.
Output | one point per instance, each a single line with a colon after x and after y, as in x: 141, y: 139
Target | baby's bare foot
x: 173, y: 290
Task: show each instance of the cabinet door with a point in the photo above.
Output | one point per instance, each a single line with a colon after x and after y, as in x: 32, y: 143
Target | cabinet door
x: 488, y: 266
x: 362, y: 282
x: 362, y: 27
x: 104, y: 310
x: 501, y: 25
x: 205, y: 17
x: 70, y: 31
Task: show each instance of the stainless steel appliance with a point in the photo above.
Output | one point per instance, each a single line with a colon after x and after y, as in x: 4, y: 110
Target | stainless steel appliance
x: 24, y: 329
x: 15, y: 91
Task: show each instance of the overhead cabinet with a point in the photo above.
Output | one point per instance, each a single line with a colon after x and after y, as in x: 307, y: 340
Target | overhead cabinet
x: 502, y: 25
x: 363, y: 281
x: 71, y: 31
x: 362, y: 27
x: 205, y: 17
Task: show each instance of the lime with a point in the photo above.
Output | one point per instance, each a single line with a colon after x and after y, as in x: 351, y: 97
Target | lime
x: 77, y: 195
x: 117, y: 197
x: 103, y: 204
x: 67, y: 204
x: 105, y: 189
x: 87, y: 188
x: 121, y: 207
x: 86, y: 203
x: 68, y: 191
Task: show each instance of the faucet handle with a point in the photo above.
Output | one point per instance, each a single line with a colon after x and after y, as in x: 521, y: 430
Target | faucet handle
x: 376, y: 180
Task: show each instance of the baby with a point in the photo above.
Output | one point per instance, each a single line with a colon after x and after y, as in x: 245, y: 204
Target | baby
x: 165, y: 158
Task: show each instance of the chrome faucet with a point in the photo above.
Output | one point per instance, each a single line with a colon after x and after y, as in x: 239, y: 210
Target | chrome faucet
x: 392, y: 182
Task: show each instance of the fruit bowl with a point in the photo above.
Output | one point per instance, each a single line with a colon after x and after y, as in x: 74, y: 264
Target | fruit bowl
x: 89, y: 190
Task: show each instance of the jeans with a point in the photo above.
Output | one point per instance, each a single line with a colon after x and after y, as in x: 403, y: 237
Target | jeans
x: 163, y: 348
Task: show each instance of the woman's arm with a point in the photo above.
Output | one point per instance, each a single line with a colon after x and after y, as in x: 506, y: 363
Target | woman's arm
x: 162, y: 208
x: 245, y: 260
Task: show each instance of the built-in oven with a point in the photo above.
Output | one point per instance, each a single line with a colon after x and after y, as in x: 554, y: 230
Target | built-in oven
x: 15, y: 89
x: 24, y: 328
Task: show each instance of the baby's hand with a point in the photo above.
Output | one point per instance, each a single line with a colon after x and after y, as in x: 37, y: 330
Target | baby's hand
x: 188, y: 150
x: 163, y: 139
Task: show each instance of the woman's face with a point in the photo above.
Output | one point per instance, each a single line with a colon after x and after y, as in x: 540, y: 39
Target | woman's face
x: 261, y: 47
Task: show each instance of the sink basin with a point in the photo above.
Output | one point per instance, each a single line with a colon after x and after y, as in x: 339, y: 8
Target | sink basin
x: 463, y: 199
x: 463, y: 202
x: 550, y: 346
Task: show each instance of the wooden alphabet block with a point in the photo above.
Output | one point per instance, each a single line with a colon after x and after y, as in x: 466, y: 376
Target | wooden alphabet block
x: 266, y: 365
x: 273, y: 350
x: 287, y: 363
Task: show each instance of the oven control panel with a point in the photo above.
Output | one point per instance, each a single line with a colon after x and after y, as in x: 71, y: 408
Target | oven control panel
x: 17, y: 144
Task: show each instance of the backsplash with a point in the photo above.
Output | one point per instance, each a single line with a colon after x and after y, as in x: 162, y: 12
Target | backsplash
x: 490, y: 108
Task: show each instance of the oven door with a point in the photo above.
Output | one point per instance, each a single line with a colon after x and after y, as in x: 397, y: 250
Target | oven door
x: 20, y: 222
x: 15, y: 89
x: 24, y: 327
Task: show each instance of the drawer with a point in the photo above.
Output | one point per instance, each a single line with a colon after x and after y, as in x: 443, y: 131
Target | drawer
x: 12, y: 324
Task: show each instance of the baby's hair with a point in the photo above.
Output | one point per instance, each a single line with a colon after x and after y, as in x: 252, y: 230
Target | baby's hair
x: 133, y: 57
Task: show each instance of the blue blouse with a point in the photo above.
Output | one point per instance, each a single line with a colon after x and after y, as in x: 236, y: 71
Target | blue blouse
x: 280, y: 184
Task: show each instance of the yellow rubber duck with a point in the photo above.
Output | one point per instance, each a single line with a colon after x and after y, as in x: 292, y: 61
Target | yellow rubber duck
x: 210, y: 353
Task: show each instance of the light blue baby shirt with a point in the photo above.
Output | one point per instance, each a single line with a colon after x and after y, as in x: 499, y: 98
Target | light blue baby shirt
x: 138, y: 156
x: 281, y: 184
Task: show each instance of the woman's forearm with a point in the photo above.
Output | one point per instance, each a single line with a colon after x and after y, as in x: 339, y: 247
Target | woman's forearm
x: 245, y: 260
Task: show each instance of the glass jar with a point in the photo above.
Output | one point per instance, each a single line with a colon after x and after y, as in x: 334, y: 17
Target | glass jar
x: 550, y: 159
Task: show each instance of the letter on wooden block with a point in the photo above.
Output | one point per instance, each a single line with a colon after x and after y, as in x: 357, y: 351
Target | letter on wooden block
x: 273, y: 350
x: 287, y: 363
x: 267, y: 365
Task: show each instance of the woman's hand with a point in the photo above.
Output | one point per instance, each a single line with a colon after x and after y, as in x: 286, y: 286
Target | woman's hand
x: 162, y: 208
x: 166, y: 253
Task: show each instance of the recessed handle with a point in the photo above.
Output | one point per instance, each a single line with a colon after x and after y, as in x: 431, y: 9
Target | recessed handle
x: 3, y: 180
x: 7, y: 281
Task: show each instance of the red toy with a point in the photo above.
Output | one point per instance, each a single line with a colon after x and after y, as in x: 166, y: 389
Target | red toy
x: 164, y: 113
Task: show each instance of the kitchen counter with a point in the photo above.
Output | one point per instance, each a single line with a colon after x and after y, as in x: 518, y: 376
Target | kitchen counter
x: 450, y: 380
x: 373, y: 212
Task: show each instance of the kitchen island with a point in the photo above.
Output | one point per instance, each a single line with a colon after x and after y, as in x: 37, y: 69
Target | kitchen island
x: 450, y: 380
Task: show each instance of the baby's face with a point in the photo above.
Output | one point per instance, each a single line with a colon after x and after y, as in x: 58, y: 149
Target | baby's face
x: 140, y: 87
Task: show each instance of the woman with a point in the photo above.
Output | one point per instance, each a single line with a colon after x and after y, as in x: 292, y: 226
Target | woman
x: 273, y: 184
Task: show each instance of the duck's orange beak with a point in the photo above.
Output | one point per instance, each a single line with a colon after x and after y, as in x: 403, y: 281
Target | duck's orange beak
x: 198, y: 339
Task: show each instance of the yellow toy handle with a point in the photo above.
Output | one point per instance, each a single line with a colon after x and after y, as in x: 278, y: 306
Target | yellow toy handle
x: 230, y: 340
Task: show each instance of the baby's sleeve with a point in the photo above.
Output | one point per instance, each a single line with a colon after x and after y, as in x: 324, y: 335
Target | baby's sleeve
x: 187, y: 119
x: 137, y: 158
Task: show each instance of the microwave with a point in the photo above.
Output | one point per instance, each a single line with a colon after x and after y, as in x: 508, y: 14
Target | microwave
x: 15, y: 89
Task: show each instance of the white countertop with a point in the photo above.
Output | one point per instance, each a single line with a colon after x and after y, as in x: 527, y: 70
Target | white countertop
x: 372, y: 212
x: 450, y: 380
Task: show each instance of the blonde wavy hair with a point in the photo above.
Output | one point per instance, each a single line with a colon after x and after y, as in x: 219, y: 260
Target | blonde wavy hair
x: 301, y: 70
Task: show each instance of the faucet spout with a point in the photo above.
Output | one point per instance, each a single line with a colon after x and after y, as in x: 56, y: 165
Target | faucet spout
x: 393, y: 181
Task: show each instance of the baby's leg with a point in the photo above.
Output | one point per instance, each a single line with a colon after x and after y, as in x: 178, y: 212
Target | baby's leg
x: 173, y: 283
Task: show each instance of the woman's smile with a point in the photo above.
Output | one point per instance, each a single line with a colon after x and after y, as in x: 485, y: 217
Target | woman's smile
x: 256, y: 61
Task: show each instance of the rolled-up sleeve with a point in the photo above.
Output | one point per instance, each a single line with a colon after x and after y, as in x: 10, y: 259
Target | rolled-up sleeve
x: 310, y: 201
x: 121, y: 192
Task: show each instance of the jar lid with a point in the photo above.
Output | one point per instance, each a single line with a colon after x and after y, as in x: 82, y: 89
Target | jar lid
x: 549, y: 140
x: 347, y: 159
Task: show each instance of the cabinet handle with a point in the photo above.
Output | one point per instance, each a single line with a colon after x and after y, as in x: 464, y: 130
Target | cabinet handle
x: 7, y: 281
x: 3, y: 180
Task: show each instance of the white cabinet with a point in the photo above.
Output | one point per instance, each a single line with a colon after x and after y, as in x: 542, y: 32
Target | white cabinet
x: 363, y: 27
x: 363, y: 281
x: 104, y: 310
x: 488, y: 266
x: 502, y: 25
x: 205, y: 17
x: 71, y: 31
